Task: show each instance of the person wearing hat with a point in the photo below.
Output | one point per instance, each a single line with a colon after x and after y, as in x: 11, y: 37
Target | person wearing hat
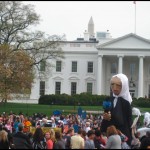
x: 120, y: 111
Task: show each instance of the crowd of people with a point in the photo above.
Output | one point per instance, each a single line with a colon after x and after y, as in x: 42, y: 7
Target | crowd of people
x: 114, y: 129
x: 80, y: 134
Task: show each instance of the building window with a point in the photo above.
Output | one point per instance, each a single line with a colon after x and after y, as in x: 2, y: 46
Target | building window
x: 89, y: 45
x: 73, y: 88
x: 89, y: 88
x: 57, y: 87
x: 113, y: 68
x: 132, y: 93
x: 74, y: 66
x: 90, y: 67
x: 42, y: 88
x: 42, y: 65
x: 74, y: 45
x: 132, y: 70
x: 58, y: 66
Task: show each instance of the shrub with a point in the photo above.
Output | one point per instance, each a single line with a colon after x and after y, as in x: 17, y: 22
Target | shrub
x: 85, y: 99
x: 141, y: 102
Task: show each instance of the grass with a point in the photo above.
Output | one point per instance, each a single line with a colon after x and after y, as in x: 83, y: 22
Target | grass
x: 46, y: 109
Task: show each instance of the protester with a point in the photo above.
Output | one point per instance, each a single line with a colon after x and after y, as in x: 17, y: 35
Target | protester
x: 114, y: 140
x: 89, y: 143
x: 77, y: 142
x: 4, y: 143
x: 60, y: 142
x: 21, y: 140
x: 120, y: 112
x: 145, y: 143
x: 67, y: 138
x: 49, y: 142
x: 39, y: 141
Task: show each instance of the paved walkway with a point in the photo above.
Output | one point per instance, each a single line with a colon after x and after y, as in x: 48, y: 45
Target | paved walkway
x: 32, y: 101
x: 94, y: 112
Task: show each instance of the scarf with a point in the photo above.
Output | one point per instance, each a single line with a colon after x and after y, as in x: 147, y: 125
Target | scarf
x: 115, y: 100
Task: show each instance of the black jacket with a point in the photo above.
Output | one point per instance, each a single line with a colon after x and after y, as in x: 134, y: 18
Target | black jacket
x: 21, y: 141
x: 4, y: 145
x: 121, y: 117
x: 145, y: 143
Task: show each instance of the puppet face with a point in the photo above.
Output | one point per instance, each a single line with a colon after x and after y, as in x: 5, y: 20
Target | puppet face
x: 116, y: 85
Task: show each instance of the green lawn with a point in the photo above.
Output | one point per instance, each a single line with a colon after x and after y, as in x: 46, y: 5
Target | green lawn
x: 47, y: 109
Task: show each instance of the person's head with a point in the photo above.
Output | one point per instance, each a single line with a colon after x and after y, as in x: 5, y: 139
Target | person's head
x: 8, y: 122
x: 48, y: 135
x: 112, y: 131
x: 91, y: 134
x: 116, y: 85
x: 71, y: 131
x: 38, y: 134
x: 148, y: 134
x: 17, y: 119
x: 95, y: 122
x: 80, y: 131
x: 87, y: 124
x: 20, y: 127
x: 3, y: 136
x: 26, y: 119
x: 137, y: 134
x: 58, y: 135
x: 120, y: 86
x: 97, y: 133
x: 83, y: 134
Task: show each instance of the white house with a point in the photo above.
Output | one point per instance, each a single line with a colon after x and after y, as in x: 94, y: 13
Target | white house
x: 90, y: 63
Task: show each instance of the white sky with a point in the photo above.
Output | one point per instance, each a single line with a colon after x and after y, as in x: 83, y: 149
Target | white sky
x: 71, y: 17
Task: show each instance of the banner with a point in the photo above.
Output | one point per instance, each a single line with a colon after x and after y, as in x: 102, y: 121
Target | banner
x: 44, y: 129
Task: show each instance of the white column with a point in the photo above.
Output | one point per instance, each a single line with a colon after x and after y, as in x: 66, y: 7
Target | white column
x: 99, y: 75
x: 120, y: 64
x: 140, y: 87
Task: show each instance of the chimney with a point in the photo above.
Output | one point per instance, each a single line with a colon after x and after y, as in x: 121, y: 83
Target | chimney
x: 86, y: 36
x: 108, y: 34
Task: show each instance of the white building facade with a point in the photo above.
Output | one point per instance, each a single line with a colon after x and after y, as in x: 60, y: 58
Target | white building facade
x: 89, y: 65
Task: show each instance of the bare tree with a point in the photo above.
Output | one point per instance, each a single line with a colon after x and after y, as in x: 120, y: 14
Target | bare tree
x: 16, y: 22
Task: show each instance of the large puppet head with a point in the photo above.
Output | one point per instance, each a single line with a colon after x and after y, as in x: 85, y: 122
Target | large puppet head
x: 120, y: 86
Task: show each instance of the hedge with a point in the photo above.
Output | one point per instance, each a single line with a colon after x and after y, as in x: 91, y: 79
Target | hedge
x: 141, y: 102
x: 85, y: 99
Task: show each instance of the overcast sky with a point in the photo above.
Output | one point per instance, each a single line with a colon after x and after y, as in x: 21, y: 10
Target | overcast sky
x: 71, y: 17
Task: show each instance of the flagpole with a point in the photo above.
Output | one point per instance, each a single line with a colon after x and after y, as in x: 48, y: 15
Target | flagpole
x: 135, y: 18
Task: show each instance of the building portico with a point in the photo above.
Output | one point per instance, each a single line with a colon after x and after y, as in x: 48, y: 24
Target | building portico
x: 128, y: 58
